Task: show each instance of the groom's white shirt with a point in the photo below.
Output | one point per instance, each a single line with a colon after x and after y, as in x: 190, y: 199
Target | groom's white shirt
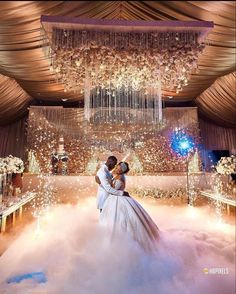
x: 105, y: 187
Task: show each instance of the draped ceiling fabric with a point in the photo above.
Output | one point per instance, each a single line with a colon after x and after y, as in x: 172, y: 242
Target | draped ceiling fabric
x: 22, y: 59
x: 219, y: 102
x: 13, y: 99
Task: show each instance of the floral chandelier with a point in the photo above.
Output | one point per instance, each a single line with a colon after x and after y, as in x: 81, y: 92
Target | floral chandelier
x: 121, y: 65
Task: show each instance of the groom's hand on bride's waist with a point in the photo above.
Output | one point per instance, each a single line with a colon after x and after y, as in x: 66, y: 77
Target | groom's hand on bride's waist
x: 126, y: 194
x: 97, y: 180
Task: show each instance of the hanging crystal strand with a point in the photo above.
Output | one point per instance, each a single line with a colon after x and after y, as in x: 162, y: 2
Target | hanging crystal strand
x: 159, y: 95
x: 95, y: 102
x: 115, y: 101
x: 146, y: 107
x: 132, y: 100
x: 128, y: 110
x: 153, y: 105
x: 139, y: 106
x: 142, y: 104
x: 87, y: 96
x: 156, y: 93
x: 106, y: 99
x: 150, y: 107
x: 118, y: 103
x: 127, y: 101
x: 157, y: 105
x: 134, y: 103
x: 128, y: 105
x: 154, y: 97
x: 106, y: 109
x: 99, y: 104
x: 109, y: 100
x: 91, y: 105
x: 102, y: 112
x: 124, y: 104
x: 123, y: 111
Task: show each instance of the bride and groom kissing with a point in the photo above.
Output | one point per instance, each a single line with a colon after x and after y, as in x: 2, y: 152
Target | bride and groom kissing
x: 119, y: 211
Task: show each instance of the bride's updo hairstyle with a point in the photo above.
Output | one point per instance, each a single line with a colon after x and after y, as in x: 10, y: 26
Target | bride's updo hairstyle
x: 124, y: 167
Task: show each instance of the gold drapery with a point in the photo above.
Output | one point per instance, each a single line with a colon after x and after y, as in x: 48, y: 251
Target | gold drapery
x: 219, y: 102
x: 21, y: 55
x: 13, y: 100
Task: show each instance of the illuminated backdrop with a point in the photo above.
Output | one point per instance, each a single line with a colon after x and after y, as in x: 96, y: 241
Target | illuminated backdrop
x: 148, y: 148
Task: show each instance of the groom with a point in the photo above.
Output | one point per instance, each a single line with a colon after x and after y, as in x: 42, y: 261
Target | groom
x: 103, y: 178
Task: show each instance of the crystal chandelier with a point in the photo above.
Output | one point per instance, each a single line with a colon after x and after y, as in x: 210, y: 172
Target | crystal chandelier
x: 121, y: 67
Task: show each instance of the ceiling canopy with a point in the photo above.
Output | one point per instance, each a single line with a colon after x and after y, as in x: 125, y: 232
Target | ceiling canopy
x: 25, y: 74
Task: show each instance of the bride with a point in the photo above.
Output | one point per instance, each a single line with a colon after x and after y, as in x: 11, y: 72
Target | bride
x: 125, y: 214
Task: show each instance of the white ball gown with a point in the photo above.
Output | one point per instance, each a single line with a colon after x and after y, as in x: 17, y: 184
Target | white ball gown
x: 123, y: 214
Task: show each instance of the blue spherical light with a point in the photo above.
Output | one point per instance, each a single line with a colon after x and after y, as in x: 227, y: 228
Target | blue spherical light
x: 182, y: 143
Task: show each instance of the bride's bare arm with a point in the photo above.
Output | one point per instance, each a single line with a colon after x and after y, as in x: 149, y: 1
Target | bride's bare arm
x: 121, y: 179
x: 123, y: 185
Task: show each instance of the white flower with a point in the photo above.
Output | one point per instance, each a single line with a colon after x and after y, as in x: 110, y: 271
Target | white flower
x: 3, y: 166
x: 13, y: 164
x: 226, y: 165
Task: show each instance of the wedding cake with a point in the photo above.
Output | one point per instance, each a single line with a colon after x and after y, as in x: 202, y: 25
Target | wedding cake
x: 59, y: 159
x: 61, y: 149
